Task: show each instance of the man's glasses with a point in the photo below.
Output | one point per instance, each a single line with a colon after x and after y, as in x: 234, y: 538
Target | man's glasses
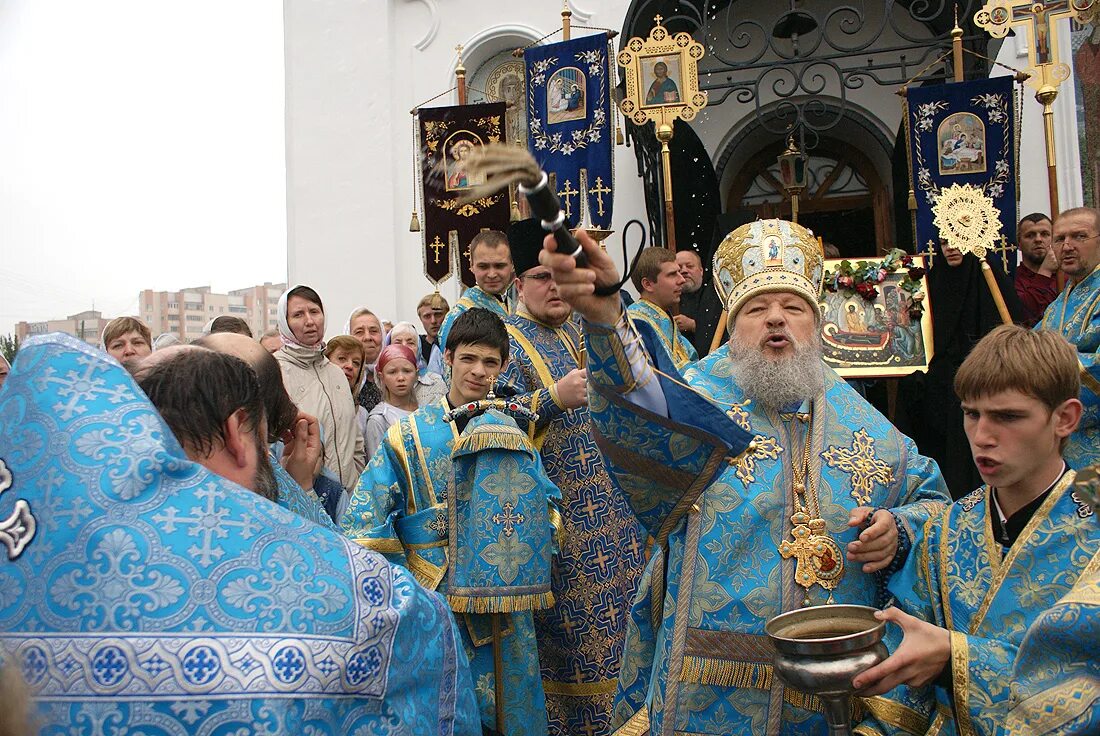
x: 540, y: 277
x: 1075, y: 238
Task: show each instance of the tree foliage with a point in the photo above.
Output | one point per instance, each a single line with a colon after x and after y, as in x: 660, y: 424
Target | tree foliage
x: 9, y: 345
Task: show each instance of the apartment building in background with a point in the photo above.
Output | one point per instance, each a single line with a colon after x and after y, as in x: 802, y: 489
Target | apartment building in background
x: 87, y: 326
x: 185, y: 312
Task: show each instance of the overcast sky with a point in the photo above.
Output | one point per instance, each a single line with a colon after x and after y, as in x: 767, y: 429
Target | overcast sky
x: 141, y: 146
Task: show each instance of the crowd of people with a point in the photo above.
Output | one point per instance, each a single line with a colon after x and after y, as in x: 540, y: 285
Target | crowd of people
x: 550, y: 512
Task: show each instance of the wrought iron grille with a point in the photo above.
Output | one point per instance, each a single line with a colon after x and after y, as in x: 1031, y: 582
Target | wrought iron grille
x: 797, y: 53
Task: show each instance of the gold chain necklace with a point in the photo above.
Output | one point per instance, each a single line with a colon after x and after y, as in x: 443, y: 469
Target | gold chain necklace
x: 819, y: 560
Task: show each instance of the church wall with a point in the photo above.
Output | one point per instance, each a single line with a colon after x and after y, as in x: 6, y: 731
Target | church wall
x: 354, y: 71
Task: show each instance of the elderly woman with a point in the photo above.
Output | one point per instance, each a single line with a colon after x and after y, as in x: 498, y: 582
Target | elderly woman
x: 127, y: 337
x: 317, y: 386
x: 430, y: 386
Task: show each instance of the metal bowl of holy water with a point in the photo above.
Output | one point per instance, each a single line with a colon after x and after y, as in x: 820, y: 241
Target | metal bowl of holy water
x: 820, y: 649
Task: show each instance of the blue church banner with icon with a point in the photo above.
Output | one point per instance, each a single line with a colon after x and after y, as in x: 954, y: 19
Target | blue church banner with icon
x: 569, y: 131
x: 965, y: 133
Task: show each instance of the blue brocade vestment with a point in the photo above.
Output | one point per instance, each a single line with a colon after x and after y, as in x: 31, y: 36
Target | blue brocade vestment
x: 696, y: 659
x: 1056, y: 678
x: 400, y: 509
x: 960, y: 578
x: 679, y: 347
x: 1075, y: 315
x: 602, y: 546
x: 155, y: 597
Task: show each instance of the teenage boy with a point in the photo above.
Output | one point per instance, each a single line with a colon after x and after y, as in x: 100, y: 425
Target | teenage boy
x: 402, y: 510
x: 981, y: 572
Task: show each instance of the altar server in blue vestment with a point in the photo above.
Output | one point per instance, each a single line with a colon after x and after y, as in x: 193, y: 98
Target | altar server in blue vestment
x: 1056, y: 678
x: 983, y: 570
x: 581, y: 638
x: 143, y: 593
x: 1075, y: 313
x: 491, y: 264
x: 766, y: 481
x: 405, y: 508
x: 659, y: 282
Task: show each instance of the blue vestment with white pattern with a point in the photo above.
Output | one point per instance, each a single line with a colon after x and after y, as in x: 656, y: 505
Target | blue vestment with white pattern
x: 141, y: 593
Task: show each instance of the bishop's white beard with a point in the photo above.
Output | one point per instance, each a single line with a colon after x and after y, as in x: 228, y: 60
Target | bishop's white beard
x: 778, y: 383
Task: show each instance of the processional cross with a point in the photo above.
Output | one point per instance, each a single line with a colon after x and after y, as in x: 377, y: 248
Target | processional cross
x: 1039, y: 20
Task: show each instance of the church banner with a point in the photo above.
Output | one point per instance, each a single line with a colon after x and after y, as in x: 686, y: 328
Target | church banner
x: 569, y: 128
x: 964, y: 133
x: 447, y: 136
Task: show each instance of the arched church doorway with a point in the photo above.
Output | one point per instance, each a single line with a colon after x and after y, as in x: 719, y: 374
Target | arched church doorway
x: 846, y: 202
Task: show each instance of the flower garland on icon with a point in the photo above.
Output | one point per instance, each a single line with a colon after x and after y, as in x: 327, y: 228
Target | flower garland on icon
x: 864, y: 277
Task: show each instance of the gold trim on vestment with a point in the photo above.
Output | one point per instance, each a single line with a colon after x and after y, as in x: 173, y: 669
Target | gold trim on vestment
x: 945, y: 557
x: 938, y: 723
x: 636, y: 725
x: 680, y: 620
x: 1024, y: 540
x: 382, y: 545
x: 618, y: 352
x: 1054, y: 707
x: 428, y: 483
x: 960, y: 678
x: 580, y: 689
x: 1088, y: 380
x: 895, y: 714
x: 395, y: 437
x: 426, y: 573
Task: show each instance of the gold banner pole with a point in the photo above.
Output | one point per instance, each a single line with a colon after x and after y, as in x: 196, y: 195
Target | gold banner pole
x: 664, y: 135
x: 460, y: 77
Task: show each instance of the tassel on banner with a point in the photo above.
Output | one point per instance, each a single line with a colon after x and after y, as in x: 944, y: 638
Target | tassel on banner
x: 619, y: 140
x: 515, y: 216
x: 912, y: 201
x: 414, y: 223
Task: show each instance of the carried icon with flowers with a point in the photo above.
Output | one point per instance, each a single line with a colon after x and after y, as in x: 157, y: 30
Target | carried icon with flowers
x: 875, y: 319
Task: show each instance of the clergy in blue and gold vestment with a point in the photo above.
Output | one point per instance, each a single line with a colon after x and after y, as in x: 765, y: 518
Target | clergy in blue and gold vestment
x: 657, y: 278
x: 142, y: 593
x: 491, y: 264
x: 756, y: 471
x: 1076, y: 315
x: 405, y: 507
x: 602, y: 549
x: 984, y: 570
x: 1056, y: 678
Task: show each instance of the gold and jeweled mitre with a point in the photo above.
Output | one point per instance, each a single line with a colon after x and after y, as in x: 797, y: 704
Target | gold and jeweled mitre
x: 768, y: 256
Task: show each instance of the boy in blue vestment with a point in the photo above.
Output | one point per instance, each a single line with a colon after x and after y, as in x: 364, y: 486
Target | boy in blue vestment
x: 404, y: 507
x: 985, y: 568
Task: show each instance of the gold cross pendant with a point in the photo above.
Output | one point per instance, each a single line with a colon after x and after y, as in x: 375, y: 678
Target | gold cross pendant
x: 819, y: 560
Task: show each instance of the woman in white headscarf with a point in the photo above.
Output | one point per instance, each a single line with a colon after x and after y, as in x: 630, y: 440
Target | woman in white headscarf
x: 317, y: 386
x: 429, y: 386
